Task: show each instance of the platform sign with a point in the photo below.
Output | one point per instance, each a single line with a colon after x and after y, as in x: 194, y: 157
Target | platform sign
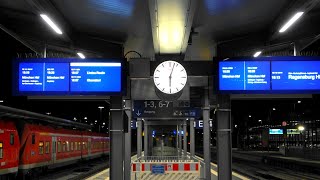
x: 61, y: 76
x: 275, y: 131
x: 293, y: 131
x: 162, y: 109
x: 157, y: 169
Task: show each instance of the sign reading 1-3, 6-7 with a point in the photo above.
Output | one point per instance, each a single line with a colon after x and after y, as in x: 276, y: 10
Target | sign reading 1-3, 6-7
x: 163, y: 109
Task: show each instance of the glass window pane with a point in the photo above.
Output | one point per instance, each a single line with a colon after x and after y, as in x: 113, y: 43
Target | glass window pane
x: 11, y: 139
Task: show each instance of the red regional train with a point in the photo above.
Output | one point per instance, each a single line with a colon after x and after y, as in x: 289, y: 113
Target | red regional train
x: 26, y: 147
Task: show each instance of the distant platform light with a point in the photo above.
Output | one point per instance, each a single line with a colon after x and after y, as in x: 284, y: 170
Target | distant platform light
x: 299, y: 102
x: 273, y: 109
x: 291, y: 22
x: 74, y: 118
x: 259, y: 120
x: 103, y: 123
x: 1, y: 101
x: 81, y: 55
x: 257, y: 54
x: 85, y: 118
x: 301, y: 128
x: 51, y: 23
x: 100, y: 107
x: 249, y: 116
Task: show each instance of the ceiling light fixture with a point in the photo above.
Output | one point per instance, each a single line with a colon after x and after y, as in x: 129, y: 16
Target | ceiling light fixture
x: 291, y: 21
x: 51, y: 23
x: 257, y: 54
x: 81, y: 55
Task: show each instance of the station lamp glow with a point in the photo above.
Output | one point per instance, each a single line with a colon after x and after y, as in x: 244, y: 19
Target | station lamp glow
x: 301, y: 128
x: 257, y: 54
x: 299, y: 102
x: 100, y: 107
x: 291, y: 22
x: 48, y: 20
x: 1, y: 101
x: 273, y: 109
x: 81, y: 55
x: 171, y: 19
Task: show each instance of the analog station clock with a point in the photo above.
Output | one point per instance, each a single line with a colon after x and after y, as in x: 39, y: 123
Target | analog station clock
x: 170, y: 77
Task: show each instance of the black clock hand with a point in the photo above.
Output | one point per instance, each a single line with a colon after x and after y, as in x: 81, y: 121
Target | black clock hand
x: 170, y: 77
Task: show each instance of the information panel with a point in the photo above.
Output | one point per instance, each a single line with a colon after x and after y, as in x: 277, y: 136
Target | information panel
x: 67, y: 77
x: 275, y: 131
x: 296, y: 75
x: 95, y: 77
x: 270, y: 75
x: 244, y: 75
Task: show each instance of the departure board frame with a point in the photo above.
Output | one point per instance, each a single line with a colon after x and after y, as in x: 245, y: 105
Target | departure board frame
x: 272, y: 89
x: 119, y: 90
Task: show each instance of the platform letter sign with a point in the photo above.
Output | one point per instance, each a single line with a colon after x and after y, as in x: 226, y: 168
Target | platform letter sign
x: 157, y: 169
x: 67, y: 77
x: 275, y: 131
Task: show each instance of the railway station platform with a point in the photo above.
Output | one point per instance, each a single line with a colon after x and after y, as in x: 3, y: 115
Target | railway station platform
x: 185, y: 167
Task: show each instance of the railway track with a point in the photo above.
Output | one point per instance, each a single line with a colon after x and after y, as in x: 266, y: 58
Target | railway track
x: 77, y: 171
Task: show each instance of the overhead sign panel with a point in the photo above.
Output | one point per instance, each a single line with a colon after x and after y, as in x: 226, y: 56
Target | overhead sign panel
x: 68, y: 77
x: 163, y: 109
x: 296, y: 75
x: 270, y: 75
x: 244, y: 75
x: 275, y: 131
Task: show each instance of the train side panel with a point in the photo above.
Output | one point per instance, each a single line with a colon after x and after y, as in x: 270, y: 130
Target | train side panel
x: 9, y: 148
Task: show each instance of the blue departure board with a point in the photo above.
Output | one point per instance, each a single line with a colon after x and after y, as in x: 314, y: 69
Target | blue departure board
x: 67, y: 77
x: 296, y: 75
x: 244, y: 75
x: 95, y: 77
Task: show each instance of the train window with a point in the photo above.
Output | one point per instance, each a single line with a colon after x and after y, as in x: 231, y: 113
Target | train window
x: 79, y: 146
x: 47, y: 147
x: 75, y: 146
x: 59, y: 146
x: 11, y: 139
x: 40, y: 147
x: 33, y: 138
x: 68, y: 146
x: 1, y: 150
x: 71, y: 146
x: 54, y: 147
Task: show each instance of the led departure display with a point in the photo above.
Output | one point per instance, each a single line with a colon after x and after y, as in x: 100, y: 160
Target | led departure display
x: 275, y: 131
x: 67, y: 76
x: 269, y: 76
x: 296, y: 75
x: 244, y: 75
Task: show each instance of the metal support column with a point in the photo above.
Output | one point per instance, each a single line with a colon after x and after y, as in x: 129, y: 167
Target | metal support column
x: 177, y: 140
x: 116, y: 139
x: 180, y: 141
x: 127, y: 160
x: 224, y: 137
x: 150, y: 142
x: 191, y: 134
x: 139, y: 137
x: 185, y: 148
x: 206, y: 135
x: 145, y: 138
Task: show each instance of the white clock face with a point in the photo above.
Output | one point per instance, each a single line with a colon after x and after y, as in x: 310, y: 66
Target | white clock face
x: 170, y: 77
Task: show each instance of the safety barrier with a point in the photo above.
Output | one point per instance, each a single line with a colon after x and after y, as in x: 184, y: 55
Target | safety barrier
x: 168, y: 166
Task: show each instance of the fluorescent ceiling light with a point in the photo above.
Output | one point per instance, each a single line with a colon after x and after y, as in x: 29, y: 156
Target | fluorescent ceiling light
x: 1, y: 101
x: 172, y: 20
x: 291, y: 21
x: 81, y: 55
x: 257, y: 54
x: 51, y: 23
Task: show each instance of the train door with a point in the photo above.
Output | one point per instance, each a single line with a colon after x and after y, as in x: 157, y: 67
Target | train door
x: 54, y: 150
